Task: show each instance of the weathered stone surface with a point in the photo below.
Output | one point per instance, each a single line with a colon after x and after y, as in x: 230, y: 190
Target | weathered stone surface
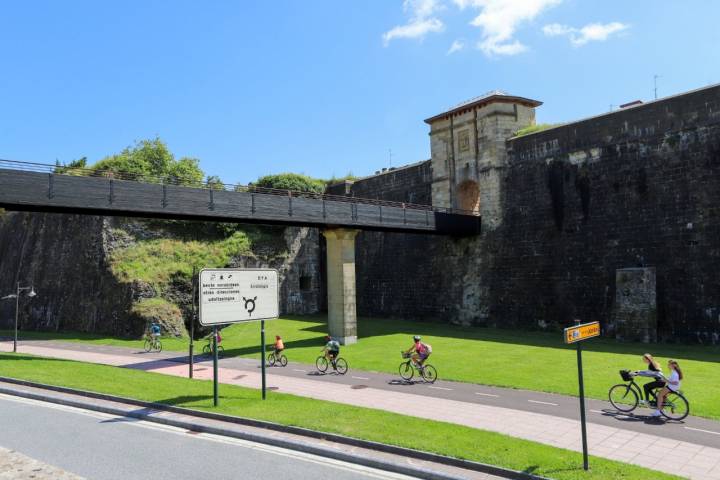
x: 66, y: 258
x: 633, y: 188
x: 635, y: 310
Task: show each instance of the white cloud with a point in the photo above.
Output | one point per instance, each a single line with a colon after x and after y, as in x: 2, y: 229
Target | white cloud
x: 500, y: 19
x: 593, y: 32
x: 421, y: 21
x: 456, y: 46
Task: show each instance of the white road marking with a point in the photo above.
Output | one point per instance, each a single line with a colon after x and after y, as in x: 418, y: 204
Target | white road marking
x: 701, y: 430
x: 361, y: 378
x: 597, y: 411
x: 299, y: 370
x: 486, y: 394
x: 307, y: 457
x: 441, y: 388
x: 543, y: 403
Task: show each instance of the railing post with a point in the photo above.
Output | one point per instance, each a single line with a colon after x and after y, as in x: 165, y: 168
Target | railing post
x: 252, y: 203
x: 290, y: 213
x: 380, y: 207
x: 111, y: 197
x: 324, y: 209
x: 404, y: 214
x: 427, y: 217
x: 164, y: 199
x: 51, y: 191
x: 212, y: 199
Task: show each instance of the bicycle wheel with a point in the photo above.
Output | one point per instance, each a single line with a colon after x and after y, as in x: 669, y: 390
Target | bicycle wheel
x: 221, y: 351
x: 623, y: 398
x: 271, y: 359
x: 147, y: 346
x: 676, y: 407
x: 429, y: 373
x: 321, y: 363
x: 406, y: 371
x: 341, y: 366
x: 206, y: 349
x: 158, y: 346
x: 283, y: 360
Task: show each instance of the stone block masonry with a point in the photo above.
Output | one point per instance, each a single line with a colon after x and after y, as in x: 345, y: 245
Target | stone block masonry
x: 636, y: 188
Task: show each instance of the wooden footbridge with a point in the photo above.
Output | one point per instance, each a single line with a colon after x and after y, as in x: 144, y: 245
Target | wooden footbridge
x: 26, y: 186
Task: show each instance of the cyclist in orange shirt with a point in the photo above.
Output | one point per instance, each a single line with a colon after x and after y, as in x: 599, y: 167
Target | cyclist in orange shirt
x: 279, y: 346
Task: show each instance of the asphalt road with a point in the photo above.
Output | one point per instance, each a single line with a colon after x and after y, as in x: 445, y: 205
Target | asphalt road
x: 104, y: 447
x: 693, y: 429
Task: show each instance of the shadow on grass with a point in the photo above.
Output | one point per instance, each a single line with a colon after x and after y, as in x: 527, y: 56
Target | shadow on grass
x: 369, y: 327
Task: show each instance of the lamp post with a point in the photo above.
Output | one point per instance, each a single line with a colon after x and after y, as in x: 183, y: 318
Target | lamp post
x: 31, y: 294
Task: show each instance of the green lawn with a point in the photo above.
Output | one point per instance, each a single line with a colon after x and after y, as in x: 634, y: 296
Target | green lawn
x: 509, y: 358
x: 376, y: 425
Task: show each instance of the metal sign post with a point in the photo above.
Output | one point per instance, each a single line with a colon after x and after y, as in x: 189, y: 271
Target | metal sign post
x: 231, y: 295
x: 576, y: 335
x: 262, y: 355
x: 193, y: 319
x: 215, y: 367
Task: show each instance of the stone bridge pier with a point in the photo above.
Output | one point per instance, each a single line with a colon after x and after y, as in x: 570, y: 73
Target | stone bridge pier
x: 342, y: 314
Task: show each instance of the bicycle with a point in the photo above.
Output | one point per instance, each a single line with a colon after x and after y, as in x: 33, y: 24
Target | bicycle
x: 152, y: 343
x: 339, y: 364
x: 273, y: 358
x: 625, y: 397
x: 407, y: 369
x: 208, y: 349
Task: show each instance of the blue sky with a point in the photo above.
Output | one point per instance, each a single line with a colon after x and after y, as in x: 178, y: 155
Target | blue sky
x: 323, y: 87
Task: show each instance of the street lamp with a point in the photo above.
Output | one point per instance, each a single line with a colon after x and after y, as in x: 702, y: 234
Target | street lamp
x: 16, y: 296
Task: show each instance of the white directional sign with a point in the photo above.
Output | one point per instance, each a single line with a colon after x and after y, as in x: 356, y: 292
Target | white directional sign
x: 230, y: 295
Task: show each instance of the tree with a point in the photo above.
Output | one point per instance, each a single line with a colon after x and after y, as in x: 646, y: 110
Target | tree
x: 186, y: 171
x: 214, y: 182
x: 291, y: 181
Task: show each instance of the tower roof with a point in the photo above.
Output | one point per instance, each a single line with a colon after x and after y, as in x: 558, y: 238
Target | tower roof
x: 495, y: 96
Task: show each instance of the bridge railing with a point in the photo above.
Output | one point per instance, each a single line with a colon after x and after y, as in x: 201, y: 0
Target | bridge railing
x: 191, y: 183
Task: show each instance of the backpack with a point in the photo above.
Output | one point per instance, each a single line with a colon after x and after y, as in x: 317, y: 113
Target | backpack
x: 428, y: 348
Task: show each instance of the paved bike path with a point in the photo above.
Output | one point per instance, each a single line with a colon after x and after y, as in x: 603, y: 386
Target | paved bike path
x: 690, y: 448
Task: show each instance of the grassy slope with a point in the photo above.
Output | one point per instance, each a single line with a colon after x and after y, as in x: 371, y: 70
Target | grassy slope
x: 376, y: 425
x: 527, y: 360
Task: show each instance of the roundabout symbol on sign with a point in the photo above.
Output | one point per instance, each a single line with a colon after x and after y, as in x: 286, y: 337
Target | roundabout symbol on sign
x: 250, y: 304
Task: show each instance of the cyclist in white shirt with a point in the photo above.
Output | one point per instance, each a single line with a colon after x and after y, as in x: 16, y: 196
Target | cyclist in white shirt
x: 672, y: 385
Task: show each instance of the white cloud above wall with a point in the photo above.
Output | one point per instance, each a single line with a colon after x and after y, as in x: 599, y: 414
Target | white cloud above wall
x: 593, y: 32
x: 498, y: 22
x: 422, y: 21
x: 456, y: 46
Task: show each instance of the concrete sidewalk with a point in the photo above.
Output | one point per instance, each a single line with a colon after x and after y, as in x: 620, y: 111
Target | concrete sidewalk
x: 692, y: 460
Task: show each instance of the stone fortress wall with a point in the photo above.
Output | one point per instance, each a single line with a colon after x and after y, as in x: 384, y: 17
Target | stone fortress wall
x: 563, y: 210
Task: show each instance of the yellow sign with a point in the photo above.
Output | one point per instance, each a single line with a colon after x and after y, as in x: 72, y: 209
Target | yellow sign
x: 582, y: 332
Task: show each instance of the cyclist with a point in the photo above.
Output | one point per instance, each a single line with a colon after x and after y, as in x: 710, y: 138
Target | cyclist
x: 672, y: 385
x: 279, y: 346
x: 421, y: 351
x: 652, y: 371
x: 154, y: 331
x: 331, y: 349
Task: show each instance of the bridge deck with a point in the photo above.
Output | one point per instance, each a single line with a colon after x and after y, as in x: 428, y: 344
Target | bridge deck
x: 24, y: 190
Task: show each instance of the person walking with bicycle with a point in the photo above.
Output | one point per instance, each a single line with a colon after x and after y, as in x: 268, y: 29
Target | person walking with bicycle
x: 672, y: 385
x: 653, y: 371
x: 420, y: 351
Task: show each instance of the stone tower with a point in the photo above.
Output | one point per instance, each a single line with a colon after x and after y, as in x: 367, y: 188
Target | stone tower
x: 467, y: 145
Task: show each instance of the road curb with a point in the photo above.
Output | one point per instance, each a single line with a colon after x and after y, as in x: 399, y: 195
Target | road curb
x: 299, y: 446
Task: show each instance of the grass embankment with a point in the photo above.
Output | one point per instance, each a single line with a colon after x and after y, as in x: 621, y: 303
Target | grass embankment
x: 509, y: 358
x: 376, y: 425
x: 158, y: 261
